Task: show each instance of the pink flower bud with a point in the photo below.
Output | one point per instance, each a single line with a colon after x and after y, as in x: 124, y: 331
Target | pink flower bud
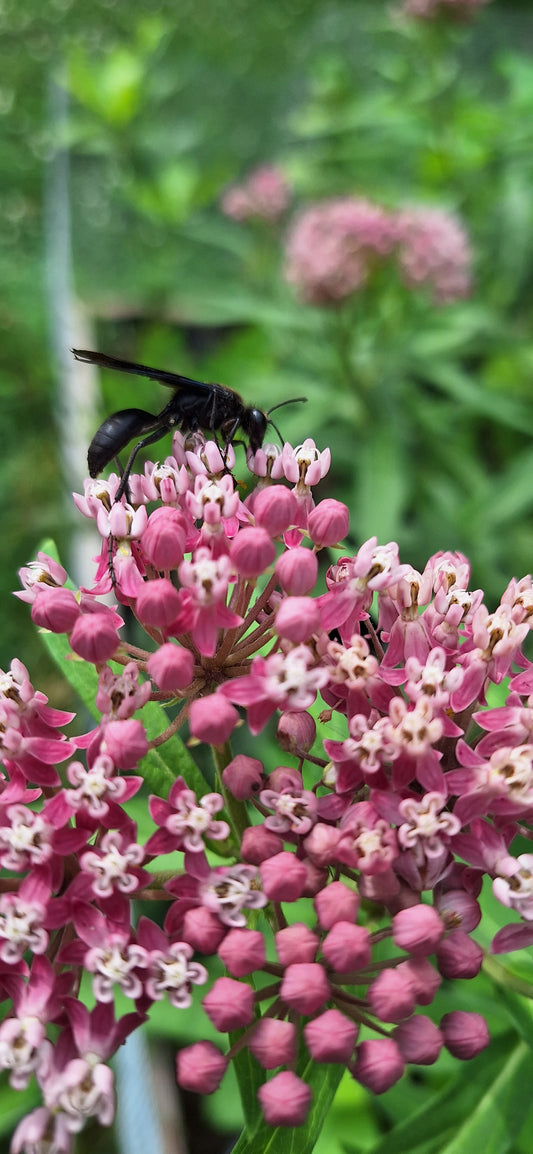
x: 296, y: 943
x: 242, y: 952
x: 459, y: 910
x: 465, y: 1034
x: 331, y: 1037
x: 55, y: 608
x: 336, y: 903
x: 229, y: 1004
x: 321, y: 843
x: 252, y: 552
x: 200, y: 1067
x: 418, y: 929
x: 275, y: 509
x: 297, y: 571
x: 305, y: 987
x: 424, y: 978
x: 297, y: 619
x: 285, y: 777
x: 328, y: 522
x: 243, y: 776
x: 296, y: 731
x: 378, y: 1065
x: 171, y: 667
x: 347, y: 947
x: 391, y: 996
x: 317, y: 878
x: 94, y: 637
x: 283, y: 877
x: 203, y: 930
x: 125, y: 742
x: 419, y: 1040
x: 285, y: 1099
x: 458, y: 956
x: 259, y: 843
x: 212, y: 719
x: 163, y: 540
x: 158, y: 603
x: 274, y: 1043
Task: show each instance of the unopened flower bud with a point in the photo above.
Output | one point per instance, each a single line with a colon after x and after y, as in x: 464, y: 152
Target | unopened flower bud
x: 242, y: 952
x: 418, y: 929
x: 252, y: 552
x: 424, y: 979
x: 203, y: 930
x: 391, y: 996
x: 229, y: 1004
x: 305, y: 987
x: 458, y: 956
x: 297, y: 571
x: 259, y: 843
x: 321, y: 843
x: 212, y: 719
x: 296, y: 943
x: 296, y: 731
x: 328, y: 522
x: 285, y: 1099
x: 378, y: 1065
x: 285, y: 777
x: 297, y: 619
x: 200, y: 1067
x: 55, y: 608
x: 164, y: 539
x: 125, y: 742
x: 158, y: 603
x: 331, y: 1037
x: 243, y: 776
x: 465, y: 1034
x: 274, y: 1043
x: 419, y: 1040
x: 283, y: 877
x: 275, y: 509
x: 347, y: 947
x: 94, y: 637
x: 336, y: 903
x: 171, y: 667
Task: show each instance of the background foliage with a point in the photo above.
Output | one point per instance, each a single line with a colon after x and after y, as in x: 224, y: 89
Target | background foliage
x: 427, y: 408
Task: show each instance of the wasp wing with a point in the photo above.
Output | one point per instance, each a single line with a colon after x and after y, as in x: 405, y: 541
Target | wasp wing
x: 172, y: 380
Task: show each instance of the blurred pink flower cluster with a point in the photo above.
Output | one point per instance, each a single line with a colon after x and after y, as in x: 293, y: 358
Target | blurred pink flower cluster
x: 264, y: 194
x: 347, y: 875
x: 430, y: 9
x: 334, y: 246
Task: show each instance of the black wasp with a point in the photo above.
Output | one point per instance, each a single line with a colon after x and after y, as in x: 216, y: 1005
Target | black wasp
x: 194, y: 405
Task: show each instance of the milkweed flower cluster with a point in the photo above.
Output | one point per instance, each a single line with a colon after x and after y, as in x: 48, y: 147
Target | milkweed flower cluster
x: 264, y: 194
x: 334, y: 246
x: 330, y: 892
x: 431, y: 9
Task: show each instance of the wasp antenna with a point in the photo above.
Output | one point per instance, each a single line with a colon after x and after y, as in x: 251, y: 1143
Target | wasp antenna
x: 290, y: 401
x: 282, y: 442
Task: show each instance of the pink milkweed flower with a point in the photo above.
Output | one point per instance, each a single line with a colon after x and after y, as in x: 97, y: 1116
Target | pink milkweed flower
x: 114, y: 866
x: 434, y: 250
x: 515, y: 889
x: 282, y: 681
x: 205, y: 582
x: 333, y: 247
x: 171, y: 973
x: 98, y: 788
x: 185, y: 822
x: 120, y: 695
x: 294, y: 810
x: 264, y: 194
x: 22, y: 917
x: 44, y: 572
x: 229, y: 890
x: 352, y: 583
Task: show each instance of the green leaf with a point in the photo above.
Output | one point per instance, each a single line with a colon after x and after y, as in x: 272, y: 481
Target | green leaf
x: 264, y: 1139
x: 482, y: 1111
